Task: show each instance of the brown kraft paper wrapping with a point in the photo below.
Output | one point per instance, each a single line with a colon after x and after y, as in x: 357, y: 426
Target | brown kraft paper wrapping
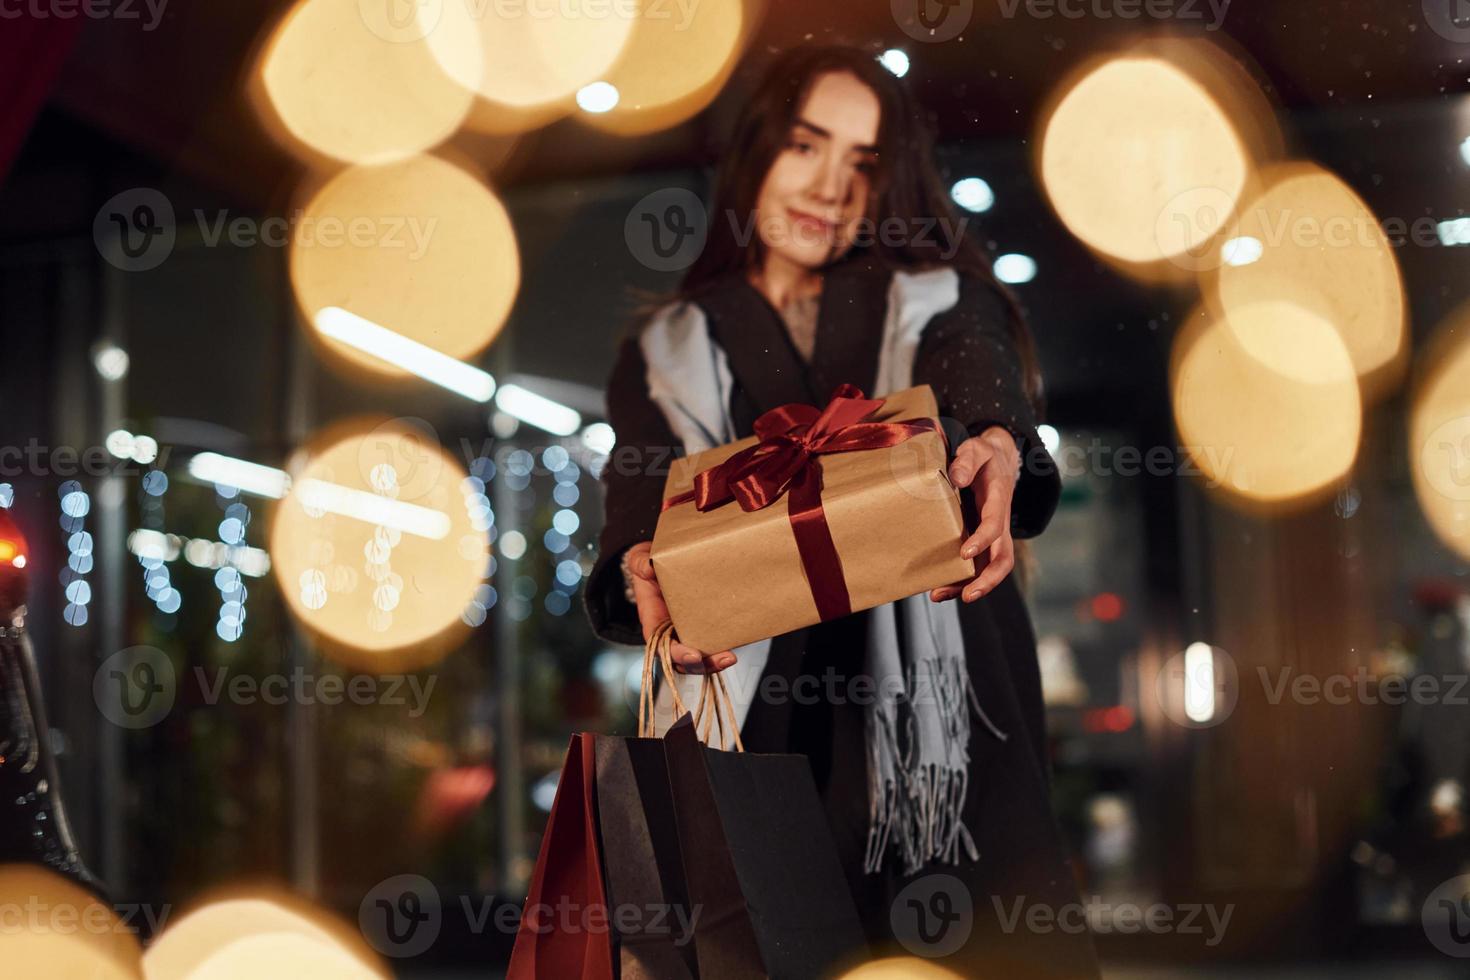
x: 732, y: 577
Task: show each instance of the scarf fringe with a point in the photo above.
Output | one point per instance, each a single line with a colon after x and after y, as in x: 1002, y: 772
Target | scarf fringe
x: 920, y: 806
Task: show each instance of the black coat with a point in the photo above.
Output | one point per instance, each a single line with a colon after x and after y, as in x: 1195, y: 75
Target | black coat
x: 966, y: 355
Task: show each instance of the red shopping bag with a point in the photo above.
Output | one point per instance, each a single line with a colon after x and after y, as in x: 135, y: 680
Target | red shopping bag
x: 564, y: 931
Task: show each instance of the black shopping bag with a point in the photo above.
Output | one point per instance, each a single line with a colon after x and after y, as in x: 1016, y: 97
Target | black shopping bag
x: 650, y: 911
x: 760, y: 864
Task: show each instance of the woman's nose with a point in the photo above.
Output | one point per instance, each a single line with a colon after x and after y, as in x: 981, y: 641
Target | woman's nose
x: 829, y: 184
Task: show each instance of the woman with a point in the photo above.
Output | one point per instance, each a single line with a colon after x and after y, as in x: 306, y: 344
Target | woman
x: 832, y: 258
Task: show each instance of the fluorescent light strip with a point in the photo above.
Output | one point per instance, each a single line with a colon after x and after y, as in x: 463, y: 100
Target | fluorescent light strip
x: 537, y: 410
x: 262, y: 481
x: 403, y: 352
x: 1199, y: 683
x: 1455, y: 231
x: 373, y: 509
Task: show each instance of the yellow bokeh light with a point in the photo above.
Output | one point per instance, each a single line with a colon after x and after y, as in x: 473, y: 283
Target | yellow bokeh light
x: 1142, y: 160
x: 282, y: 956
x: 420, y: 248
x: 374, y: 548
x: 900, y: 968
x: 675, y: 64
x: 1316, y: 244
x: 194, y: 939
x: 55, y: 928
x: 1439, y: 434
x: 333, y: 81
x: 528, y: 52
x: 1259, y: 426
x: 499, y: 119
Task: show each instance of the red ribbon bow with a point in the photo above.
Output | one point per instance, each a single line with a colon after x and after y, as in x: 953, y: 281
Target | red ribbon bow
x: 792, y: 440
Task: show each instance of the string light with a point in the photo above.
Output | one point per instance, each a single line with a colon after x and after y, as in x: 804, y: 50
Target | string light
x: 76, y: 503
x: 230, y: 625
x: 895, y: 61
x: 973, y: 194
x: 482, y: 518
x: 1015, y: 268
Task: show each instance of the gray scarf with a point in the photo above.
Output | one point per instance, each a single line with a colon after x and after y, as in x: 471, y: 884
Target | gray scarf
x: 918, y: 728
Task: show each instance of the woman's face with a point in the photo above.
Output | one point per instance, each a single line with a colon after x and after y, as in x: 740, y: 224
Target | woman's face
x: 819, y: 185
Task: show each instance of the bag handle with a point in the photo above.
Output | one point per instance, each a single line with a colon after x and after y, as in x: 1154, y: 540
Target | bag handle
x: 714, y: 709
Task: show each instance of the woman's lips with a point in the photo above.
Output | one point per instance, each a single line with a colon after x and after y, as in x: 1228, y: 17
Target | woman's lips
x: 810, y: 224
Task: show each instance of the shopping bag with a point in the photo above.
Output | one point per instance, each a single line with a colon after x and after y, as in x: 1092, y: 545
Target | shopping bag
x: 651, y: 915
x: 607, y: 896
x: 759, y: 860
x: 730, y: 850
x: 563, y: 932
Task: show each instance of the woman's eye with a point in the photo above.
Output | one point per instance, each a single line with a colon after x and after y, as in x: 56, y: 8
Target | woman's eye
x: 800, y: 145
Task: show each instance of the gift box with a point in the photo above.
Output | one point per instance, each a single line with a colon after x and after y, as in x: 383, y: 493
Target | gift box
x: 821, y: 513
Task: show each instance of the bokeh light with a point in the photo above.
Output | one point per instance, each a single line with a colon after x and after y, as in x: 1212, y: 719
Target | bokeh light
x: 675, y: 63
x: 55, y: 928
x: 974, y: 194
x: 219, y: 939
x: 599, y: 97
x: 334, y: 80
x: 900, y: 968
x: 1317, y: 245
x: 369, y: 546
x: 420, y: 248
x: 895, y: 60
x: 525, y: 55
x: 1145, y: 155
x: 281, y: 956
x: 496, y: 119
x: 1439, y: 433
x: 1266, y: 401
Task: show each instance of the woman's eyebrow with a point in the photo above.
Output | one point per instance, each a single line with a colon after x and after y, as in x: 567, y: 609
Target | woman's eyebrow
x: 815, y: 129
x: 819, y: 131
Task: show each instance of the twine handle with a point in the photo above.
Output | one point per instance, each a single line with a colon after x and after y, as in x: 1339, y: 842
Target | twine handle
x: 714, y: 709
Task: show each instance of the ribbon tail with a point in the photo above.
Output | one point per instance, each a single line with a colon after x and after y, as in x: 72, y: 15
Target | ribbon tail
x: 814, y: 543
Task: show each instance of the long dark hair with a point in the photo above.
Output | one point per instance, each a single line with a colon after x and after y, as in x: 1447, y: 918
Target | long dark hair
x: 906, y: 186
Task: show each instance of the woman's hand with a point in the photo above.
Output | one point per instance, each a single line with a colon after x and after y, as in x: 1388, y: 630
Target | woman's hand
x: 652, y: 610
x: 992, y: 463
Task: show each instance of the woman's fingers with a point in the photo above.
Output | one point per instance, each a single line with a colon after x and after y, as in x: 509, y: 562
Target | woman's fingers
x: 992, y: 526
x: 971, y: 455
x: 995, y: 519
x: 640, y: 561
x: 1002, y: 560
x: 652, y: 610
x: 704, y: 663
